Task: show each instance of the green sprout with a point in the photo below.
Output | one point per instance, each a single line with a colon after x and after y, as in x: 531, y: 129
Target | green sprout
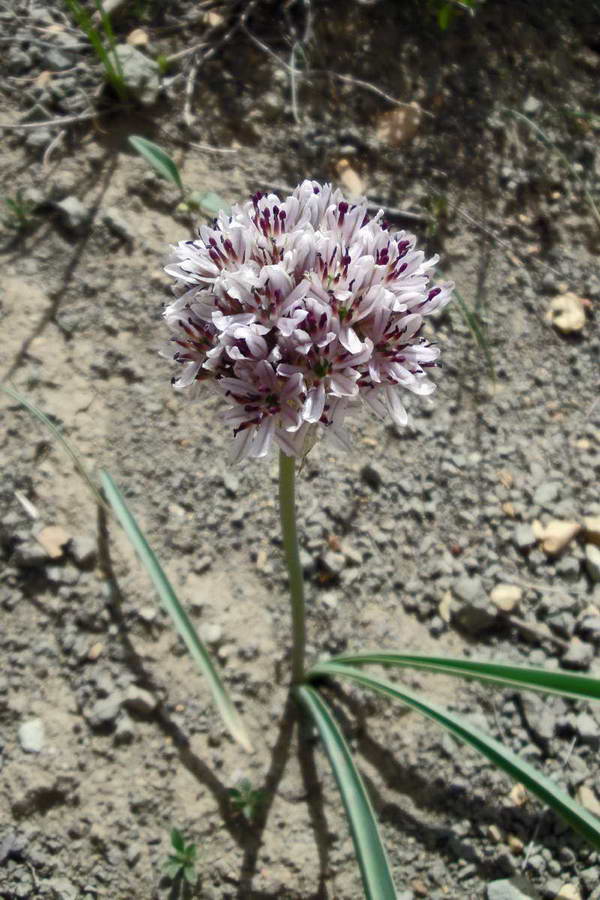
x: 103, y: 41
x: 437, y: 207
x: 181, y: 863
x: 447, y: 10
x: 206, y: 202
x: 246, y: 799
x: 19, y: 212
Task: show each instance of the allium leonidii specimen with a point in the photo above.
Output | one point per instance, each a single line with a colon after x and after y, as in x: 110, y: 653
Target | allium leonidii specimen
x: 295, y: 310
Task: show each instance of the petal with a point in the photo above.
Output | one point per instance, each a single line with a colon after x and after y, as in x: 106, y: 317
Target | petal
x: 374, y: 400
x: 286, y: 370
x: 292, y: 443
x: 343, y: 385
x: 241, y: 445
x: 397, y: 411
x: 263, y: 437
x: 314, y: 403
x: 188, y: 375
x: 422, y: 387
x: 349, y: 339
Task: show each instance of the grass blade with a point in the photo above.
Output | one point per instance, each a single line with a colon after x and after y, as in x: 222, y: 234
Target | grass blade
x: 575, y: 815
x: 110, y: 36
x: 179, y: 616
x: 157, y: 158
x: 472, y: 323
x: 372, y: 859
x: 74, y: 454
x: 578, y: 687
x: 113, y: 70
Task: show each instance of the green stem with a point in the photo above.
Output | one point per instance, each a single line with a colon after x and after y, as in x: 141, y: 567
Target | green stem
x: 287, y: 510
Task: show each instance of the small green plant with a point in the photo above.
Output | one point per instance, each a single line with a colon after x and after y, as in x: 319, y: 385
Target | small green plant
x: 19, y: 211
x: 160, y: 161
x: 103, y: 41
x: 206, y: 202
x: 246, y: 799
x: 445, y: 11
x: 181, y: 863
x: 478, y: 331
x: 163, y: 63
x: 437, y: 208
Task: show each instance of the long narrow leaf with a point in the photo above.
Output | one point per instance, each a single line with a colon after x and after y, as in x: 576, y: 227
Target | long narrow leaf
x: 157, y: 158
x: 57, y: 433
x: 574, y: 814
x: 579, y: 687
x: 472, y: 322
x: 372, y: 859
x: 179, y: 616
x: 113, y: 70
x: 110, y: 36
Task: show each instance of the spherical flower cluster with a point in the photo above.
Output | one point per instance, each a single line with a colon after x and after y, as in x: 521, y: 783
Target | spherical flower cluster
x: 296, y: 309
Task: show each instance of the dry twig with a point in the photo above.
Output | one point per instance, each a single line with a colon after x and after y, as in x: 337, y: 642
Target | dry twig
x: 210, y: 149
x: 187, y: 52
x: 54, y: 143
x: 51, y: 123
x: 188, y: 117
x: 349, y: 79
x: 530, y: 629
x: 368, y: 87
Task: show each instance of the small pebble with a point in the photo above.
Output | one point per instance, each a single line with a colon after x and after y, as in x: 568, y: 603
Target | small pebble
x: 31, y: 736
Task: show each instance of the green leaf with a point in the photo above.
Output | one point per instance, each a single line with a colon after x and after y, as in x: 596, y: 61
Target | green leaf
x: 190, y: 874
x: 172, y: 867
x: 112, y: 66
x: 180, y: 619
x: 444, y: 16
x: 177, y: 841
x: 575, y: 815
x: 374, y: 866
x: 208, y: 202
x: 157, y: 158
x: 579, y: 687
x: 57, y: 433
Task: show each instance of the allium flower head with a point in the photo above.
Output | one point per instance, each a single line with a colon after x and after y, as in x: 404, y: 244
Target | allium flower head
x: 296, y: 309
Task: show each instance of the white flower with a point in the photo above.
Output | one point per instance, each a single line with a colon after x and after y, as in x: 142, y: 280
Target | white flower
x: 295, y: 310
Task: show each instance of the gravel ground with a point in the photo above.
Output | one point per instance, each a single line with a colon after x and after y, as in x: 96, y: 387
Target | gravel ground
x: 437, y: 538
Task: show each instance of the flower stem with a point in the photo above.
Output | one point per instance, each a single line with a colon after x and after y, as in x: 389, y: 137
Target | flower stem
x: 287, y: 510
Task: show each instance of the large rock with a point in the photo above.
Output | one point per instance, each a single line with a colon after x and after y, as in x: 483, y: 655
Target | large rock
x: 591, y: 526
x: 578, y: 655
x: 75, y: 216
x: 512, y: 889
x: 104, y: 712
x: 140, y: 74
x: 524, y: 537
x: 557, y: 535
x: 140, y: 701
x: 473, y: 611
x: 567, y: 313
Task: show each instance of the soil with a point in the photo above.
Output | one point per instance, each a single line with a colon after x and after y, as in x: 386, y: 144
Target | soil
x: 404, y: 538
